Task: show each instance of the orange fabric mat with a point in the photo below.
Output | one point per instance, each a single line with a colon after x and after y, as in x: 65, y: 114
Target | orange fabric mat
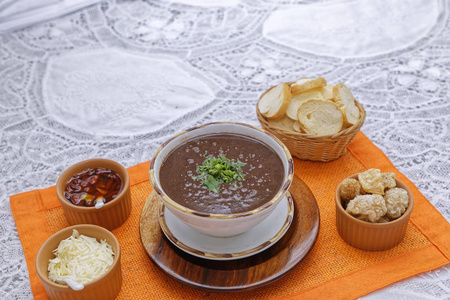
x: 332, y: 270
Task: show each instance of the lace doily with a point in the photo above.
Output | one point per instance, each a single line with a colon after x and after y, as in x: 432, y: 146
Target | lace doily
x: 116, y: 79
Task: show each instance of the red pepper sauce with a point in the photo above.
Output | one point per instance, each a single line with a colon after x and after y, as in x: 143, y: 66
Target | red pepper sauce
x: 92, y: 185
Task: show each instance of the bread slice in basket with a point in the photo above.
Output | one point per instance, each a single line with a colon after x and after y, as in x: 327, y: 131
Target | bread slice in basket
x: 283, y: 123
x: 298, y: 100
x: 297, y: 126
x: 326, y: 91
x: 275, y: 102
x: 305, y: 84
x: 346, y: 102
x: 320, y: 117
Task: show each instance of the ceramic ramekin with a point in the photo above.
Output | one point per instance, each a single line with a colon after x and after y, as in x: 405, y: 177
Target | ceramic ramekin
x: 113, y: 214
x: 372, y: 236
x: 105, y: 287
x: 222, y: 224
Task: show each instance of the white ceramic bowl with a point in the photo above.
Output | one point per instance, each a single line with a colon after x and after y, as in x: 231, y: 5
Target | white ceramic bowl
x: 222, y: 224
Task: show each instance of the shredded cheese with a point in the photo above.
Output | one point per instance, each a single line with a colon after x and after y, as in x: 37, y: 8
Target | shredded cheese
x: 80, y: 258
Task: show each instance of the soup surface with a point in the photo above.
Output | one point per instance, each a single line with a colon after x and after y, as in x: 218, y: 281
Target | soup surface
x: 263, y: 174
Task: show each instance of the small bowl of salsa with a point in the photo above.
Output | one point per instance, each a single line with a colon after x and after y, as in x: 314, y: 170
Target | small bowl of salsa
x: 95, y: 191
x: 222, y: 178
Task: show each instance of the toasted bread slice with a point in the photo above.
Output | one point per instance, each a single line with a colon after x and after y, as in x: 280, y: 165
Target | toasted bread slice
x: 283, y: 123
x: 301, y: 81
x: 326, y: 91
x: 305, y: 84
x: 346, y: 102
x: 298, y: 100
x: 275, y: 102
x: 297, y: 126
x: 320, y: 117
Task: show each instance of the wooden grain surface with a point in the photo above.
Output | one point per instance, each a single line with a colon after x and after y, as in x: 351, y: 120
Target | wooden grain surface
x: 241, y: 274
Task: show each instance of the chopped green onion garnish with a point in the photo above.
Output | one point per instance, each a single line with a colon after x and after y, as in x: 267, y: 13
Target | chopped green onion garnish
x: 218, y: 170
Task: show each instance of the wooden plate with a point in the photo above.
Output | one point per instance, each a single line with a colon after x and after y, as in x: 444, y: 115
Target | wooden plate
x: 242, y: 274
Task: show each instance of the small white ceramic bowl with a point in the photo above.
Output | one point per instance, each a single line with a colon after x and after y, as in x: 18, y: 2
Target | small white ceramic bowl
x: 222, y: 224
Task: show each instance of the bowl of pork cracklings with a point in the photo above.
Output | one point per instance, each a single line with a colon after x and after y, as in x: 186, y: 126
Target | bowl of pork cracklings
x: 373, y: 210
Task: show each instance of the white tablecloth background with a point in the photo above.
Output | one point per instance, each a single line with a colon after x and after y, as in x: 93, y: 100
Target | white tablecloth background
x: 117, y: 78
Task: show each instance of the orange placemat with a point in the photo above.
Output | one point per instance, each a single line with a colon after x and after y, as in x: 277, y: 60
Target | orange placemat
x: 332, y: 270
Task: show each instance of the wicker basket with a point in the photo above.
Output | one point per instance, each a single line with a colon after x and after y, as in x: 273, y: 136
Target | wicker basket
x: 316, y: 148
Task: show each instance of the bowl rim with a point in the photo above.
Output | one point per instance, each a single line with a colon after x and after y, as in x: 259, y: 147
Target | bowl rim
x: 400, y: 219
x: 60, y: 185
x: 117, y: 255
x: 171, y: 203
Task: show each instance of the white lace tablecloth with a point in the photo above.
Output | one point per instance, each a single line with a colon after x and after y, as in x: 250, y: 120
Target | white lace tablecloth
x: 118, y: 78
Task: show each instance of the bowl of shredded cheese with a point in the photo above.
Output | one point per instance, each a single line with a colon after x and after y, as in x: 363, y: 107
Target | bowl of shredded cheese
x: 80, y: 262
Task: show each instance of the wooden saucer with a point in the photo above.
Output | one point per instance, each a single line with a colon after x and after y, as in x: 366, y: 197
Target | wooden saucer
x: 242, y: 274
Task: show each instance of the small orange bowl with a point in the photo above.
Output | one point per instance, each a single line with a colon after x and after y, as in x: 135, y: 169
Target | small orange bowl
x: 103, y: 288
x: 113, y: 214
x: 372, y: 236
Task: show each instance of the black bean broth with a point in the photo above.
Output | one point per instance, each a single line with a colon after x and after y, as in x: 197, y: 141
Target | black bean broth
x: 262, y: 175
